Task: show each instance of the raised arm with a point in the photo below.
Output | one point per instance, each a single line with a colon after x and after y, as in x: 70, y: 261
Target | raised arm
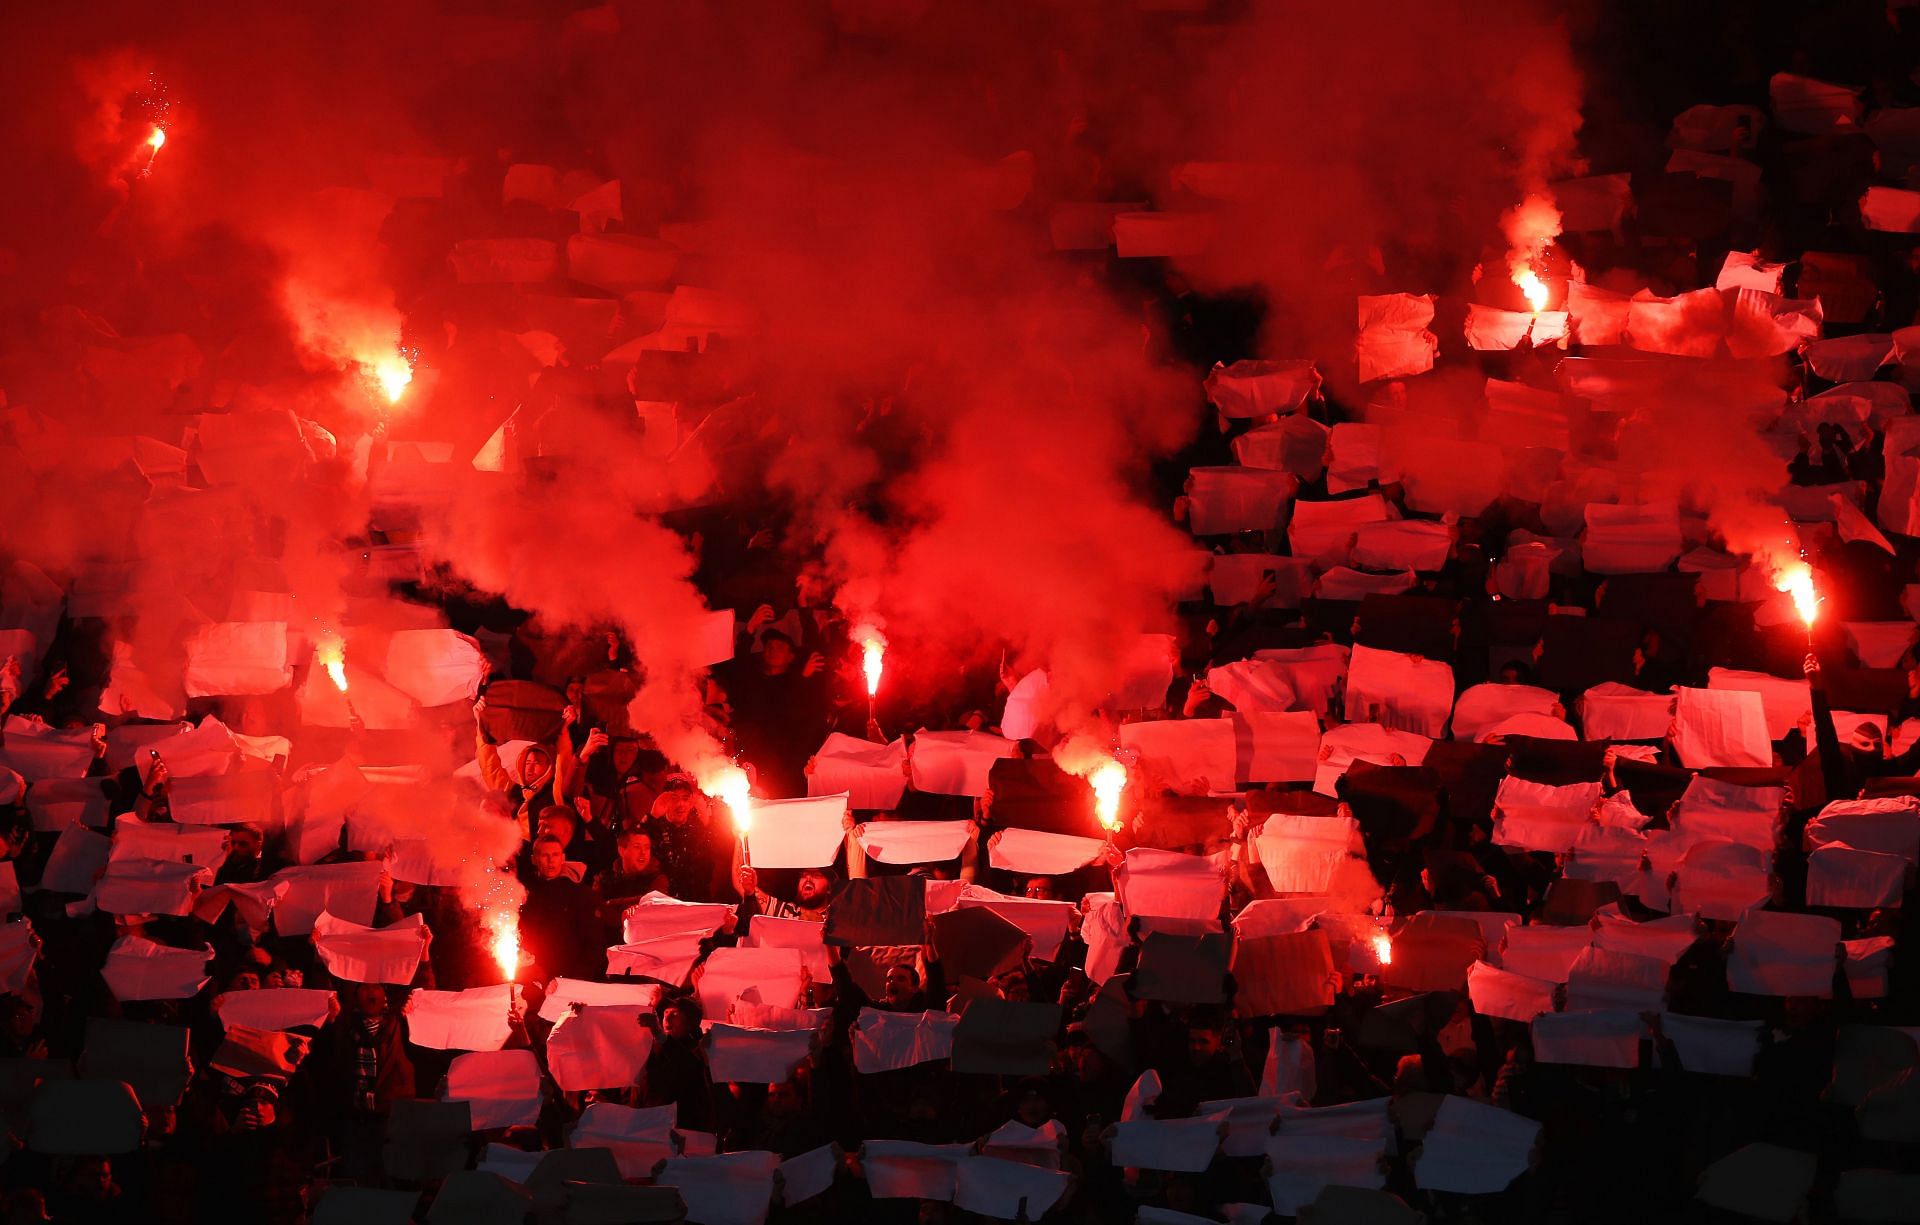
x: 486, y: 754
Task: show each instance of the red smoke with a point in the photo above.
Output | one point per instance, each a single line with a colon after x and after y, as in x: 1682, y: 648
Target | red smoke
x: 962, y: 419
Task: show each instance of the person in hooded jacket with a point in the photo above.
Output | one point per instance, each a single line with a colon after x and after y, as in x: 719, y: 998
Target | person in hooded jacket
x: 532, y: 775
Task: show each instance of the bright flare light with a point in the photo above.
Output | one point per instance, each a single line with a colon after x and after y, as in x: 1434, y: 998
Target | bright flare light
x: 333, y: 657
x: 1796, y: 579
x: 156, y: 139
x: 499, y: 901
x: 732, y: 787
x: 1530, y: 227
x: 873, y: 654
x: 392, y: 374
x: 1108, y: 781
x: 505, y: 944
x: 1533, y: 287
x: 1383, y: 948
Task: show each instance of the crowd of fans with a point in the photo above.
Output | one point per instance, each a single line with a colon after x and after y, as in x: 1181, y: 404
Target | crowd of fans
x: 1502, y: 864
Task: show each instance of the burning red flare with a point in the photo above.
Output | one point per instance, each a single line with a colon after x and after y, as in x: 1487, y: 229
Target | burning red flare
x: 391, y: 374
x: 1796, y: 579
x: 1108, y: 780
x: 1383, y: 948
x: 499, y: 905
x: 333, y: 657
x: 1533, y: 287
x: 731, y: 786
x: 1531, y: 228
x: 157, y: 138
x: 873, y: 654
x: 505, y: 945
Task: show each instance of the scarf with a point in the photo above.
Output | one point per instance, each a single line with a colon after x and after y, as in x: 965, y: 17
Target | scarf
x: 367, y: 1033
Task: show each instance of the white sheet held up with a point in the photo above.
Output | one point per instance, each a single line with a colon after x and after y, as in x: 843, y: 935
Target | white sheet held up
x: 1169, y: 1144
x: 772, y: 976
x: 1037, y: 853
x: 604, y: 1047
x: 1512, y: 997
x: 1399, y: 691
x: 912, y: 842
x: 639, y: 1139
x: 472, y: 1020
x: 1718, y: 727
x: 957, y: 763
x: 501, y: 1088
x: 1474, y: 1149
x: 1183, y: 753
x: 805, y: 833
x: 755, y: 1056
x: 1169, y: 885
x: 871, y: 776
x: 1784, y: 954
x: 358, y: 954
x: 140, y: 969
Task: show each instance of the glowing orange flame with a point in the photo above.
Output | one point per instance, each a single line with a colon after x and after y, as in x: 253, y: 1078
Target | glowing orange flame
x: 333, y: 657
x: 156, y: 138
x: 393, y: 374
x: 1383, y: 948
x: 1108, y: 780
x: 731, y: 786
x: 873, y: 653
x: 1533, y: 287
x: 1796, y: 579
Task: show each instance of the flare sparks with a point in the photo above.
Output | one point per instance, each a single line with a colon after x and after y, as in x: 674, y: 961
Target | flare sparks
x: 499, y: 906
x: 1383, y: 948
